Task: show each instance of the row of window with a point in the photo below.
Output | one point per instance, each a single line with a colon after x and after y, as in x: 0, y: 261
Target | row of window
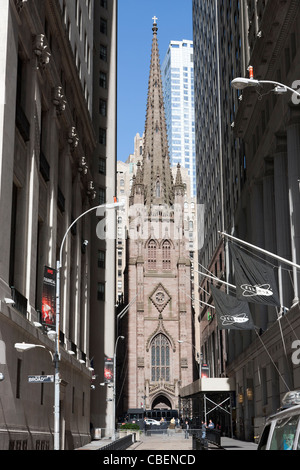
x: 166, y: 254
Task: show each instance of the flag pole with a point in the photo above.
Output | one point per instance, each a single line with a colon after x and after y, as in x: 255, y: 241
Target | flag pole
x: 215, y: 278
x: 262, y: 250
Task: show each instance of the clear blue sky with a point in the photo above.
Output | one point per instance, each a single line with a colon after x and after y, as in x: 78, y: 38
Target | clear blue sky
x: 134, y: 50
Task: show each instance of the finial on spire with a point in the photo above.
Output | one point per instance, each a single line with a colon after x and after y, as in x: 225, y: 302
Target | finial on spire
x: 154, y: 27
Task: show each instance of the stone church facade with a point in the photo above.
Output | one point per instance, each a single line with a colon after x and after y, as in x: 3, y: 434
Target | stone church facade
x: 155, y: 364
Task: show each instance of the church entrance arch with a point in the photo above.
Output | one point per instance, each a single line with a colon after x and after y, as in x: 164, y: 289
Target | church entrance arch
x: 161, y: 402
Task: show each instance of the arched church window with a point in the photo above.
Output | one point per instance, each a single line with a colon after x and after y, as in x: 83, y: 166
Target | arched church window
x: 166, y: 255
x: 152, y: 254
x: 160, y: 358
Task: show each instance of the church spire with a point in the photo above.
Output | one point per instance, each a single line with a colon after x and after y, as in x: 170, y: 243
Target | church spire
x: 157, y: 176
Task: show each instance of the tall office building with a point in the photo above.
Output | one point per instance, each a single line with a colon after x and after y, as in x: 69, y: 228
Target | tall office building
x: 218, y: 154
x: 102, y: 332
x: 178, y: 88
x: 46, y: 182
x: 247, y: 143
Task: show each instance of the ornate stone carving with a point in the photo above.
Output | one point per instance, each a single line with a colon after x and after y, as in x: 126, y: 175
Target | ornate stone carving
x: 40, y: 48
x: 73, y: 138
x: 58, y: 100
x: 160, y: 297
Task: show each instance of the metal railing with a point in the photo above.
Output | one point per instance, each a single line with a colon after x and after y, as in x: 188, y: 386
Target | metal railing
x: 120, y: 444
x: 213, y: 436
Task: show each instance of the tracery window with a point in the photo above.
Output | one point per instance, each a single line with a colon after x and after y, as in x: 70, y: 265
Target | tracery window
x: 166, y: 255
x: 152, y: 254
x: 160, y: 358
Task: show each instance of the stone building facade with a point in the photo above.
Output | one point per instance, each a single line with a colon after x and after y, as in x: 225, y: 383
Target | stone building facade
x: 158, y: 270
x: 46, y: 182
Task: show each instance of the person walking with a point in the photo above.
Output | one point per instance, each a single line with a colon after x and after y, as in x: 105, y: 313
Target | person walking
x: 211, y: 425
x: 187, y: 427
x: 203, y: 430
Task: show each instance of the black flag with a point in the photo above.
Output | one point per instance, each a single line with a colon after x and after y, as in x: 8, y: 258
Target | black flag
x: 232, y: 314
x: 255, y: 280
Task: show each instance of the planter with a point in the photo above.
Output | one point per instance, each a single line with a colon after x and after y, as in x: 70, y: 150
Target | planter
x: 127, y: 432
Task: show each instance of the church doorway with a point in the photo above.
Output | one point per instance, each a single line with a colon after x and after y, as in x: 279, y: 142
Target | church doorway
x: 161, y: 402
x: 162, y: 409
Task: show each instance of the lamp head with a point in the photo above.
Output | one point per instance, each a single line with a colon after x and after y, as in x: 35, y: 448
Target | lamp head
x: 241, y: 83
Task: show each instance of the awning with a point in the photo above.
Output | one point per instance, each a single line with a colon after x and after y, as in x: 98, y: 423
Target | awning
x: 208, y: 385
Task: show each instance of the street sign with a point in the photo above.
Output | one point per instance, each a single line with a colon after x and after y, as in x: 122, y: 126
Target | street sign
x: 40, y: 379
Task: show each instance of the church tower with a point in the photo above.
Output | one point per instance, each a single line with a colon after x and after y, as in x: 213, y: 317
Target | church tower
x: 158, y: 270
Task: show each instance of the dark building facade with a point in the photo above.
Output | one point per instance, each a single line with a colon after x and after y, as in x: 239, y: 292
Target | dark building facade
x: 256, y: 161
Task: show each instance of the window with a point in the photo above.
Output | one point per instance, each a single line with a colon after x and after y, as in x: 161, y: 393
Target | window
x: 157, y: 189
x: 102, y: 166
x: 284, y: 433
x: 18, y: 388
x: 102, y: 107
x: 160, y: 358
x: 101, y: 259
x: 103, y: 26
x: 101, y: 195
x: 103, y: 52
x: 80, y: 23
x: 152, y: 255
x: 101, y: 291
x: 166, y: 255
x: 102, y: 136
x: 102, y: 80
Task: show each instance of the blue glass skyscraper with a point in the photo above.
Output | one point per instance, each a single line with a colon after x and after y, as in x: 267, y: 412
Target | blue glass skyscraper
x: 178, y: 88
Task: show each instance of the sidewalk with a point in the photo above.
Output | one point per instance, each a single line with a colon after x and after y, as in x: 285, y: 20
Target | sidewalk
x: 175, y: 441
x: 234, y: 444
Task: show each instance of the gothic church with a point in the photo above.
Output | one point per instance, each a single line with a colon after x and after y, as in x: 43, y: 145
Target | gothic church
x: 158, y: 270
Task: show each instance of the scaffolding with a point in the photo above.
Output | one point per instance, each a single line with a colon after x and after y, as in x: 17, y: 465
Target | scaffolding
x: 210, y: 395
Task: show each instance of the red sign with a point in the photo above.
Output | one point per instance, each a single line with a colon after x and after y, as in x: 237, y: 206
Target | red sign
x: 49, y: 297
x: 108, y: 370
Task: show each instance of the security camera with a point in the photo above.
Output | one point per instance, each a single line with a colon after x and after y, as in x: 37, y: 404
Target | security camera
x: 85, y: 242
x: 1, y: 376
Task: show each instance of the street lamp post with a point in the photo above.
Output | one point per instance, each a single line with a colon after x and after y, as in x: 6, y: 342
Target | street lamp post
x: 114, y: 389
x: 114, y: 205
x: 240, y: 83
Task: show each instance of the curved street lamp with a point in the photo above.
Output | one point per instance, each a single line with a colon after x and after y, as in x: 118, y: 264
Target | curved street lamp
x: 21, y: 347
x: 114, y: 205
x: 240, y: 83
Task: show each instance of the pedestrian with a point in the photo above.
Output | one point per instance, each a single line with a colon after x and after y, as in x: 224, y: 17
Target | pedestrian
x: 203, y: 430
x: 187, y: 427
x: 210, y: 424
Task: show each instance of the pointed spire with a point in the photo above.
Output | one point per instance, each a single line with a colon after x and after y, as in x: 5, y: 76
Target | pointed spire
x: 178, y: 181
x: 157, y: 176
x: 178, y: 186
x: 139, y: 175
